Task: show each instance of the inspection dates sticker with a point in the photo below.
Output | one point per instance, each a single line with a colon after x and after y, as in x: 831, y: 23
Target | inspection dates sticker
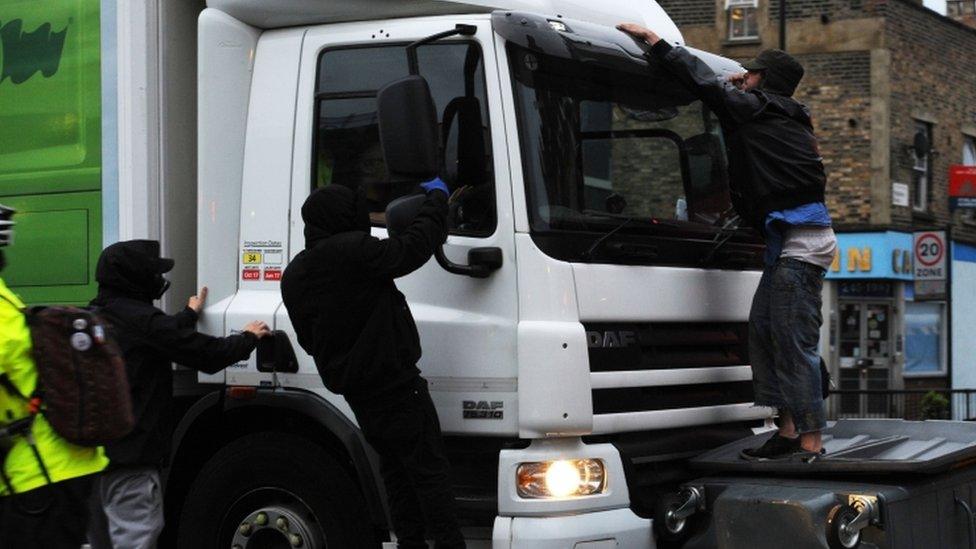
x: 251, y: 274
x: 272, y: 274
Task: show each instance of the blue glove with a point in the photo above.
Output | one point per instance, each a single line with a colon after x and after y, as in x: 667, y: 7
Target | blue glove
x: 435, y: 185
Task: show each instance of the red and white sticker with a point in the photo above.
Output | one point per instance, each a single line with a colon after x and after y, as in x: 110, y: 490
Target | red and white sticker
x: 251, y: 274
x: 272, y: 274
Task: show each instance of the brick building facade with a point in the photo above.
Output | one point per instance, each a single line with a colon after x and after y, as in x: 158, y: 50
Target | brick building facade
x: 879, y: 72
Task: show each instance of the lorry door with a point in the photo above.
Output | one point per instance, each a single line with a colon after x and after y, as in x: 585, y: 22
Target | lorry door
x: 467, y: 325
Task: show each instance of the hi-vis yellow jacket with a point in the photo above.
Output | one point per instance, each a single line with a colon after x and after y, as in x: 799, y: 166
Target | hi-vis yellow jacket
x: 63, y: 460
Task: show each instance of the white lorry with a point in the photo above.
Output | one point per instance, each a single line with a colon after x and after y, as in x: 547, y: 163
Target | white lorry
x: 597, y: 337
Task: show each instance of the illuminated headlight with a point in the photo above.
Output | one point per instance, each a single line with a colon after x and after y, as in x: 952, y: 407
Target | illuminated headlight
x: 561, y: 479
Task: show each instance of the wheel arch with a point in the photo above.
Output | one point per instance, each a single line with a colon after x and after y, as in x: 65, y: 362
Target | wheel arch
x: 215, y: 420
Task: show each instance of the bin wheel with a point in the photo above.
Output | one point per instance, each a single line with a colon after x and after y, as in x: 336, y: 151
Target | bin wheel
x: 670, y: 529
x: 838, y: 535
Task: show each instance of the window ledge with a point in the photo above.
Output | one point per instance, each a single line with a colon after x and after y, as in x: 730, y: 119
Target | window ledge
x: 927, y: 217
x: 742, y: 42
x: 924, y: 375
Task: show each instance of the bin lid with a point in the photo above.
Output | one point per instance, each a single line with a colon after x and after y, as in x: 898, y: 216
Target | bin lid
x: 874, y: 446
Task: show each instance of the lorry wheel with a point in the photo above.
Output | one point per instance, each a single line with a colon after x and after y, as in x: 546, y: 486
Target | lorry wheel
x: 671, y: 531
x: 273, y: 490
x: 838, y: 534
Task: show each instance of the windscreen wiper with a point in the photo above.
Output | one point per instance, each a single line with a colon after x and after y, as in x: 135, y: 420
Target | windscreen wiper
x: 722, y: 237
x: 634, y: 251
x: 588, y: 254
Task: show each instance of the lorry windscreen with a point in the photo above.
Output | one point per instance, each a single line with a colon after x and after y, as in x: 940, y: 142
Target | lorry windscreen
x: 601, y: 146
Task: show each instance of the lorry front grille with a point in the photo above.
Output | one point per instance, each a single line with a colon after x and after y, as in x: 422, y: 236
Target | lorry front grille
x: 628, y: 347
x: 644, y: 375
x: 637, y: 399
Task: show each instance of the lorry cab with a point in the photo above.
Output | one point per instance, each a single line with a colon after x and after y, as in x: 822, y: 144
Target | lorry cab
x: 605, y: 335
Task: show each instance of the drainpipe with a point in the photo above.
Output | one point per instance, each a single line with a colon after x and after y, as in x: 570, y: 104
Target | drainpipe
x: 782, y: 25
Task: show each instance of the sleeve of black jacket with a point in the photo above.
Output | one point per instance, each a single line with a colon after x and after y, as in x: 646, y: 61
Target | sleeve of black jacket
x: 187, y: 318
x: 184, y: 345
x: 723, y: 98
x: 404, y: 253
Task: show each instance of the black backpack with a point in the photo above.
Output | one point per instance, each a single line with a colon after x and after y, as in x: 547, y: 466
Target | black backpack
x: 82, y: 387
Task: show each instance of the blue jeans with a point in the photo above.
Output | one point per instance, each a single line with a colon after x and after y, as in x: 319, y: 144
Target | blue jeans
x: 784, y: 336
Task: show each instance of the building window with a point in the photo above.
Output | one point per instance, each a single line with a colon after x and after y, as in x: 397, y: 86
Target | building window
x: 922, y: 168
x: 960, y: 8
x: 743, y: 19
x: 924, y: 338
x: 968, y: 150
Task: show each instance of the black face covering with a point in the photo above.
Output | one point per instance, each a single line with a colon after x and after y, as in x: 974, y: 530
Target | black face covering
x: 334, y: 210
x: 163, y: 285
x: 132, y: 269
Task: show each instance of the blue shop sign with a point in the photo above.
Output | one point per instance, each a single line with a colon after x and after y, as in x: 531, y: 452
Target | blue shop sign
x: 886, y: 255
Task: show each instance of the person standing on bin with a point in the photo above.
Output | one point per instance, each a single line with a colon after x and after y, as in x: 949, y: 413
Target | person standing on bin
x: 778, y: 184
x: 348, y: 315
x: 44, y: 479
x: 127, y: 500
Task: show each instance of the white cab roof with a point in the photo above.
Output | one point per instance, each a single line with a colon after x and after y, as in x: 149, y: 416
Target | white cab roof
x: 269, y: 14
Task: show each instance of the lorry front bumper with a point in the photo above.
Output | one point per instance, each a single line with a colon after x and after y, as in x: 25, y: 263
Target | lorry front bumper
x: 613, y: 529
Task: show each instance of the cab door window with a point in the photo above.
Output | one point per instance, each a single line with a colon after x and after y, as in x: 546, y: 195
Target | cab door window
x: 346, y: 143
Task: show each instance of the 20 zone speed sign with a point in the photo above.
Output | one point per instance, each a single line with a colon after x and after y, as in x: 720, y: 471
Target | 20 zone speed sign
x: 930, y: 255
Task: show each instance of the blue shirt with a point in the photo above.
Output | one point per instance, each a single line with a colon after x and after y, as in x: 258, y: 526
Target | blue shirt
x: 814, y: 213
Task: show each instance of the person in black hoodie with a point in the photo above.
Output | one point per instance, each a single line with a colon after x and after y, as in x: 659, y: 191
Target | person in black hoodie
x: 126, y: 502
x: 777, y: 183
x: 350, y: 317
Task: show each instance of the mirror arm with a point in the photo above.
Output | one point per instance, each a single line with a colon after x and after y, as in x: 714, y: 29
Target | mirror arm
x: 474, y: 271
x: 458, y: 30
x: 480, y: 267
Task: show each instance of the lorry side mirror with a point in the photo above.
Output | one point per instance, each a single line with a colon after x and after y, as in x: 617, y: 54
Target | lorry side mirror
x: 408, y: 129
x: 402, y: 211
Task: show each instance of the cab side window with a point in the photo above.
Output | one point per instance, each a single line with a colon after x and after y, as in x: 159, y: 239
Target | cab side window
x: 347, y: 147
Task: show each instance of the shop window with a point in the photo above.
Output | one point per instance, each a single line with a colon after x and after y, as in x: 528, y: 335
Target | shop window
x: 922, y: 168
x: 743, y: 19
x: 924, y: 339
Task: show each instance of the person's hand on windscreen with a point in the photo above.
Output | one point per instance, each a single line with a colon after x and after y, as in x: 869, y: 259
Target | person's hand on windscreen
x: 639, y: 32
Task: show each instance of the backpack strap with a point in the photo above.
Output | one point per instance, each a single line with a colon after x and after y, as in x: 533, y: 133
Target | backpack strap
x: 10, y: 387
x: 22, y: 427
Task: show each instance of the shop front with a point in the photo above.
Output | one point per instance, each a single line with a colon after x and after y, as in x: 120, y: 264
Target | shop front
x: 865, y: 313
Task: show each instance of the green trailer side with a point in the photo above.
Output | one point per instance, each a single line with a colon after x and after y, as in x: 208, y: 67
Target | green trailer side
x: 50, y: 146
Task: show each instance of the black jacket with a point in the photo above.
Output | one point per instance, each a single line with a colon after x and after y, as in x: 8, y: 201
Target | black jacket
x: 150, y: 341
x: 341, y: 297
x: 774, y: 159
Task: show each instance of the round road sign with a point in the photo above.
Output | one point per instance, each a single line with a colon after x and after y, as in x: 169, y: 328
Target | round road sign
x: 929, y: 249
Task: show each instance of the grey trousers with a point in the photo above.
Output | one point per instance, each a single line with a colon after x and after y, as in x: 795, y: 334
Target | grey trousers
x: 126, y: 509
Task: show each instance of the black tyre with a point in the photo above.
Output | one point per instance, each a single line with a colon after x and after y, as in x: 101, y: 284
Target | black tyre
x: 271, y: 490
x: 672, y: 532
x: 837, y: 535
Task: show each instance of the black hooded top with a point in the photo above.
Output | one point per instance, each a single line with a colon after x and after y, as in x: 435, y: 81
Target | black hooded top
x: 341, y: 298
x: 774, y: 158
x: 129, y: 276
